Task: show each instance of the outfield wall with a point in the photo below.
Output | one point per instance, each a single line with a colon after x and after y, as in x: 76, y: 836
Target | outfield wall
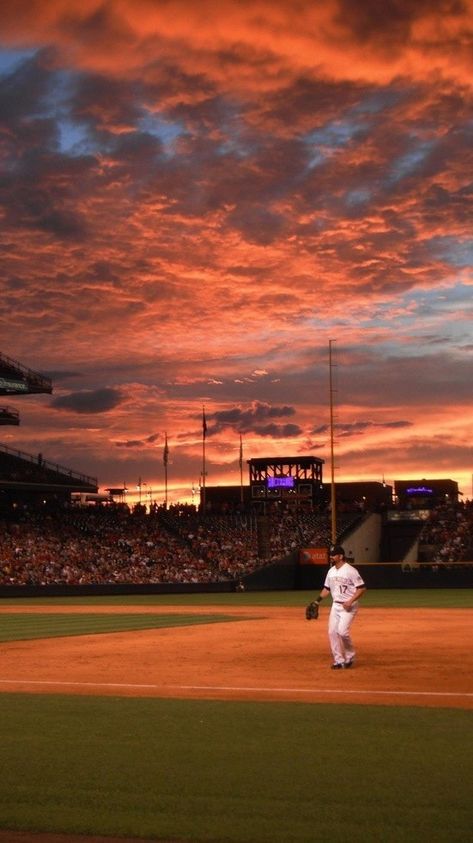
x: 395, y: 575
x: 285, y: 576
x: 113, y: 589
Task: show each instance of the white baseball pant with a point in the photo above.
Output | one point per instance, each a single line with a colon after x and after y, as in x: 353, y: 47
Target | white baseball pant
x: 339, y: 624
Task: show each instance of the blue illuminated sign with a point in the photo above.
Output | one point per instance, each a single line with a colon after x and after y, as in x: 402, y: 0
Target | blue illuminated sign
x: 280, y: 482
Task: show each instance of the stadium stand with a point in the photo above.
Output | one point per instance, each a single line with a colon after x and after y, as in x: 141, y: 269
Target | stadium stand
x: 9, y: 415
x: 446, y: 538
x: 17, y: 379
x: 110, y: 544
x: 48, y: 541
x: 18, y: 466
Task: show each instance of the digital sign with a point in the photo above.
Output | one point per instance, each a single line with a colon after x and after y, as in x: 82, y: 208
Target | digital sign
x: 7, y: 385
x: 280, y: 482
x: 419, y: 490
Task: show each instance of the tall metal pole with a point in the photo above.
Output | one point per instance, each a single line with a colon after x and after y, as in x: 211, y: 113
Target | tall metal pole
x: 333, y: 501
x: 204, y: 472
x: 166, y: 485
x: 241, y: 470
x: 165, y: 463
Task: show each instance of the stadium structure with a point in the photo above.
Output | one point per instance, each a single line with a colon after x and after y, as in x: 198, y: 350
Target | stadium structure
x: 381, y: 528
x: 27, y: 479
x: 16, y: 379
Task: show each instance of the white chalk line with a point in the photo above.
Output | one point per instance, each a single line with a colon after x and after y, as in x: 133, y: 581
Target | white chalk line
x: 237, y: 688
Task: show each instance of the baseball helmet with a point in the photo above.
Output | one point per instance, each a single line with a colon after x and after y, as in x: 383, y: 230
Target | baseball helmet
x: 336, y: 550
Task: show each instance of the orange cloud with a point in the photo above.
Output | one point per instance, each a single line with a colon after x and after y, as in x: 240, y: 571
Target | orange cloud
x: 198, y: 196
x: 254, y: 44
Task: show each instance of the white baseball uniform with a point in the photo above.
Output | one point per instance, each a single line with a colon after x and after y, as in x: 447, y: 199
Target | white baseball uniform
x: 342, y: 583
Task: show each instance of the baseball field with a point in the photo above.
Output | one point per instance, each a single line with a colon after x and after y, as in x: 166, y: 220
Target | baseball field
x: 217, y: 718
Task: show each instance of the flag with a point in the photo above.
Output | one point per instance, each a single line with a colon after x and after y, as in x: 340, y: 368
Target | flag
x: 166, y: 450
x: 204, y: 423
x: 241, y: 452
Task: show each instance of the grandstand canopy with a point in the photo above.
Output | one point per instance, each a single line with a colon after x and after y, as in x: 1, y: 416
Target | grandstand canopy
x: 426, y: 493
x: 302, y: 468
x: 16, y: 379
x: 9, y: 415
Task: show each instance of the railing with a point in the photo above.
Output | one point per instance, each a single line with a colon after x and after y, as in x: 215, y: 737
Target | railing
x: 41, y: 463
x: 9, y: 415
x: 35, y: 378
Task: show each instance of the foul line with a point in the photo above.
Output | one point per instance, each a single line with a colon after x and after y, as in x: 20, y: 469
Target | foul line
x: 238, y: 688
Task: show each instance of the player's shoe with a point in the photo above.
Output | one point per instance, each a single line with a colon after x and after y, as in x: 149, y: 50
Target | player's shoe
x: 349, y: 664
x: 338, y: 666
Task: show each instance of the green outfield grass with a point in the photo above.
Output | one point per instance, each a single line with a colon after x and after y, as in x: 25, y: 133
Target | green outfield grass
x: 235, y: 772
x: 395, y: 598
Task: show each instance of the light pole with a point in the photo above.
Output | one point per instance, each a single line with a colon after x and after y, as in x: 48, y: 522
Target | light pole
x: 333, y: 502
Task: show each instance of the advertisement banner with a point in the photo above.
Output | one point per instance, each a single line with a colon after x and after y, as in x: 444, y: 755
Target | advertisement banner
x: 313, y: 556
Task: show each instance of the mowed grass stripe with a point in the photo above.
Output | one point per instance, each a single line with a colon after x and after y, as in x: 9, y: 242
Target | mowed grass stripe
x: 239, y: 772
x: 26, y: 626
x: 398, y: 598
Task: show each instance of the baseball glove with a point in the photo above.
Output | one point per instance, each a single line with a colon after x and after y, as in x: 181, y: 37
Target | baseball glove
x: 312, y: 611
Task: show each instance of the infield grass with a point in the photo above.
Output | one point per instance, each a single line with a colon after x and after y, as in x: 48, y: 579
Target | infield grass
x: 235, y: 772
x: 19, y: 626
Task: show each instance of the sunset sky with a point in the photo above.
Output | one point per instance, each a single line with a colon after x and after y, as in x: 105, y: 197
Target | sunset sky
x: 197, y: 196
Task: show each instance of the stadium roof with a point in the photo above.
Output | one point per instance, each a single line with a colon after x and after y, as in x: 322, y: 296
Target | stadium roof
x: 304, y: 461
x: 16, y: 379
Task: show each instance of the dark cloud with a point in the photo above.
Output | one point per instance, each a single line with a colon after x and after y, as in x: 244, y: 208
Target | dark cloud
x: 257, y: 224
x: 105, y: 104
x: 392, y: 20
x: 139, y: 443
x: 409, y: 458
x: 96, y: 27
x: 255, y: 419
x: 39, y: 194
x: 251, y: 419
x: 278, y: 431
x: 354, y: 428
x: 23, y: 92
x: 415, y: 381
x: 311, y: 103
x: 89, y: 402
x: 61, y: 222
x: 62, y: 374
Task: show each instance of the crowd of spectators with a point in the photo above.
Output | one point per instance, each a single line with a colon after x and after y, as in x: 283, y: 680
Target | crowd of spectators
x: 111, y: 544
x: 96, y: 545
x: 232, y: 544
x: 447, y: 536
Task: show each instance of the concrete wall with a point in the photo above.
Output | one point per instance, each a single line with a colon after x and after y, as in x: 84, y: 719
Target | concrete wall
x: 364, y: 542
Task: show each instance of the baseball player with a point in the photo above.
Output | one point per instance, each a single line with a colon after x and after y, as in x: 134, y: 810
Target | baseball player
x: 346, y: 586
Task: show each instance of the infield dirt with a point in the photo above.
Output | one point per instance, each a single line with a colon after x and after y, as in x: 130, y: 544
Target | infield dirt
x: 405, y: 657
